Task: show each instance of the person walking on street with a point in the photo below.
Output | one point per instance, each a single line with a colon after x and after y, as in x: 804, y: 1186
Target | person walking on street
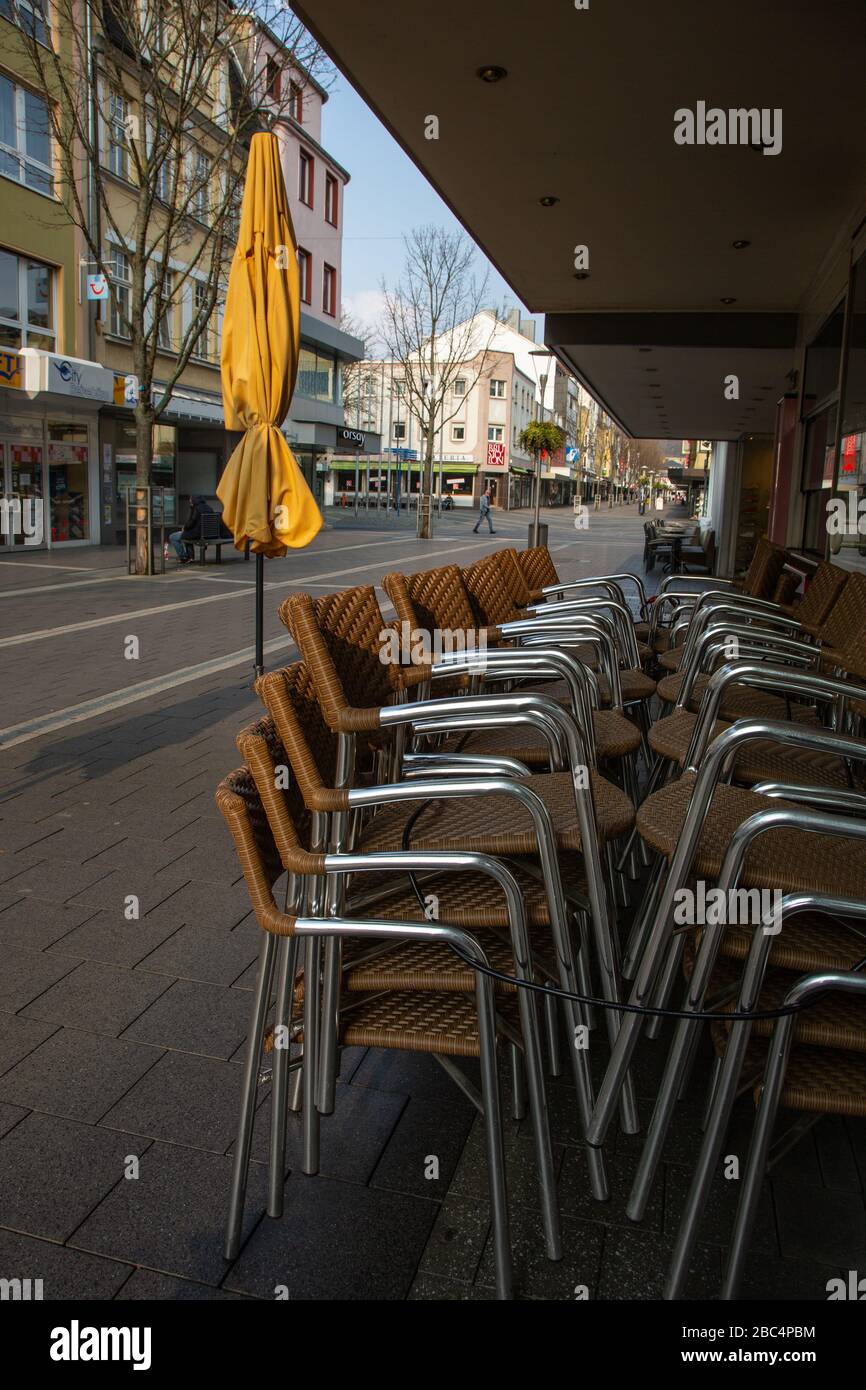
x: 484, y: 508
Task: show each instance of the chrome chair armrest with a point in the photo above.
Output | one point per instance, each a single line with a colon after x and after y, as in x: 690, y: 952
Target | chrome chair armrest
x: 846, y: 798
x: 445, y: 764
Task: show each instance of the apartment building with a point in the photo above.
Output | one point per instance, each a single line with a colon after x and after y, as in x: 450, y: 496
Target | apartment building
x: 477, y: 441
x: 49, y: 400
x: 67, y: 377
x: 315, y: 184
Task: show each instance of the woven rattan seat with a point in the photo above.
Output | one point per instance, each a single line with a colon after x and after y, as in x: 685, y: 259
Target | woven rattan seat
x: 615, y: 737
x: 444, y: 1023
x: 808, y: 942
x: 497, y: 824
x: 421, y: 965
x: 788, y: 859
x: 472, y: 901
x: 670, y: 737
x: 837, y: 1021
x: 764, y: 761
x: 818, y: 1080
x: 739, y: 701
x: 670, y: 658
x: 635, y: 685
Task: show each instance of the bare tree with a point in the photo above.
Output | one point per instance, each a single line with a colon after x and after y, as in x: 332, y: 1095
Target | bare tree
x: 430, y: 328
x: 151, y: 105
x: 359, y: 378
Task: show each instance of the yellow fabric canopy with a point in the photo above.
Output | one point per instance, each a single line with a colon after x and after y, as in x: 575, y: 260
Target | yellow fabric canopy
x: 263, y: 491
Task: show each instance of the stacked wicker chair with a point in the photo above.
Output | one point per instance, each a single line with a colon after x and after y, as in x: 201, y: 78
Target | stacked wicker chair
x: 574, y: 810
x: 404, y: 1002
x: 482, y: 782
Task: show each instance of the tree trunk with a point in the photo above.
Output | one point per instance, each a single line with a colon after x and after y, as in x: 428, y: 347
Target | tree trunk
x: 144, y: 418
x: 425, y: 499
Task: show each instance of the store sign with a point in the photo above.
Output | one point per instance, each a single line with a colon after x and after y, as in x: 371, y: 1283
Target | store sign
x: 97, y: 287
x: 572, y: 454
x: 849, y: 453
x: 356, y: 438
x: 125, y: 390
x: 10, y: 370
x: 65, y: 376
x: 495, y: 455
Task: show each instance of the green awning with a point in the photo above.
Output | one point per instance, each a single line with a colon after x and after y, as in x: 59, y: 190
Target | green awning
x: 373, y: 466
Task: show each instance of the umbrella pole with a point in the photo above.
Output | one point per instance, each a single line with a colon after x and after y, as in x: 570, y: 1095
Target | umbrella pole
x: 260, y: 615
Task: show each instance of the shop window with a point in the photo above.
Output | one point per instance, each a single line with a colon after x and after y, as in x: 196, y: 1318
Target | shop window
x: 25, y: 138
x: 68, y: 483
x: 27, y: 291
x: 818, y: 470
x: 822, y: 360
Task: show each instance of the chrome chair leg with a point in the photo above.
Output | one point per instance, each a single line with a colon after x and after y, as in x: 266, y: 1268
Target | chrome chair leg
x: 493, y: 1142
x: 288, y: 950
x: 551, y: 1021
x: 312, y: 1016
x: 240, y: 1167
x: 518, y: 1087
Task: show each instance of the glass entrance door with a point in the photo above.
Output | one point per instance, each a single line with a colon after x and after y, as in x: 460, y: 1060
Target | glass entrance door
x: 21, y: 478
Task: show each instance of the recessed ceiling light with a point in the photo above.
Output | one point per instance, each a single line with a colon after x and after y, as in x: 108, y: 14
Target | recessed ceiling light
x: 549, y: 200
x: 740, y: 245
x: 728, y: 299
x: 491, y: 72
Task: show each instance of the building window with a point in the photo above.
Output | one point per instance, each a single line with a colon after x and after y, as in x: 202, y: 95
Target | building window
x: 497, y: 388
x: 399, y: 429
x: 273, y: 79
x: 164, y: 180
x: 26, y: 303
x: 118, y: 123
x: 458, y: 432
x: 25, y: 138
x: 199, y: 300
x: 316, y: 375
x: 305, y: 269
x: 494, y: 434
x: 460, y: 386
x: 31, y: 16
x: 200, y: 188
x: 121, y: 279
x: 165, y: 326
x: 305, y: 180
x: 329, y: 290
x: 332, y: 200
x: 296, y: 103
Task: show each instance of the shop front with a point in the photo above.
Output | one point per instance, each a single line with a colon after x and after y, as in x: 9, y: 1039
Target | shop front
x: 49, y: 440
x: 190, y: 450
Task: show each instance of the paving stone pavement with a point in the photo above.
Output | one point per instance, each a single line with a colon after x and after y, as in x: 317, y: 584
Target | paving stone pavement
x: 121, y: 1037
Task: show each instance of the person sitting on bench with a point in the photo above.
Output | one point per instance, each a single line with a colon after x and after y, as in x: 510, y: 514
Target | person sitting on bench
x: 198, y: 507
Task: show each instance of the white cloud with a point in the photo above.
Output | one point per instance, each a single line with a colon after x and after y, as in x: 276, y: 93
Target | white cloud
x: 365, y: 306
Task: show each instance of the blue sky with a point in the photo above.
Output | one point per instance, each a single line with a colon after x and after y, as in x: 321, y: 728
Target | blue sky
x: 387, y: 196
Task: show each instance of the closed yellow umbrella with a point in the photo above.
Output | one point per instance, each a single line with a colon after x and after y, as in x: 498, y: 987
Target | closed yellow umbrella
x: 265, y: 497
